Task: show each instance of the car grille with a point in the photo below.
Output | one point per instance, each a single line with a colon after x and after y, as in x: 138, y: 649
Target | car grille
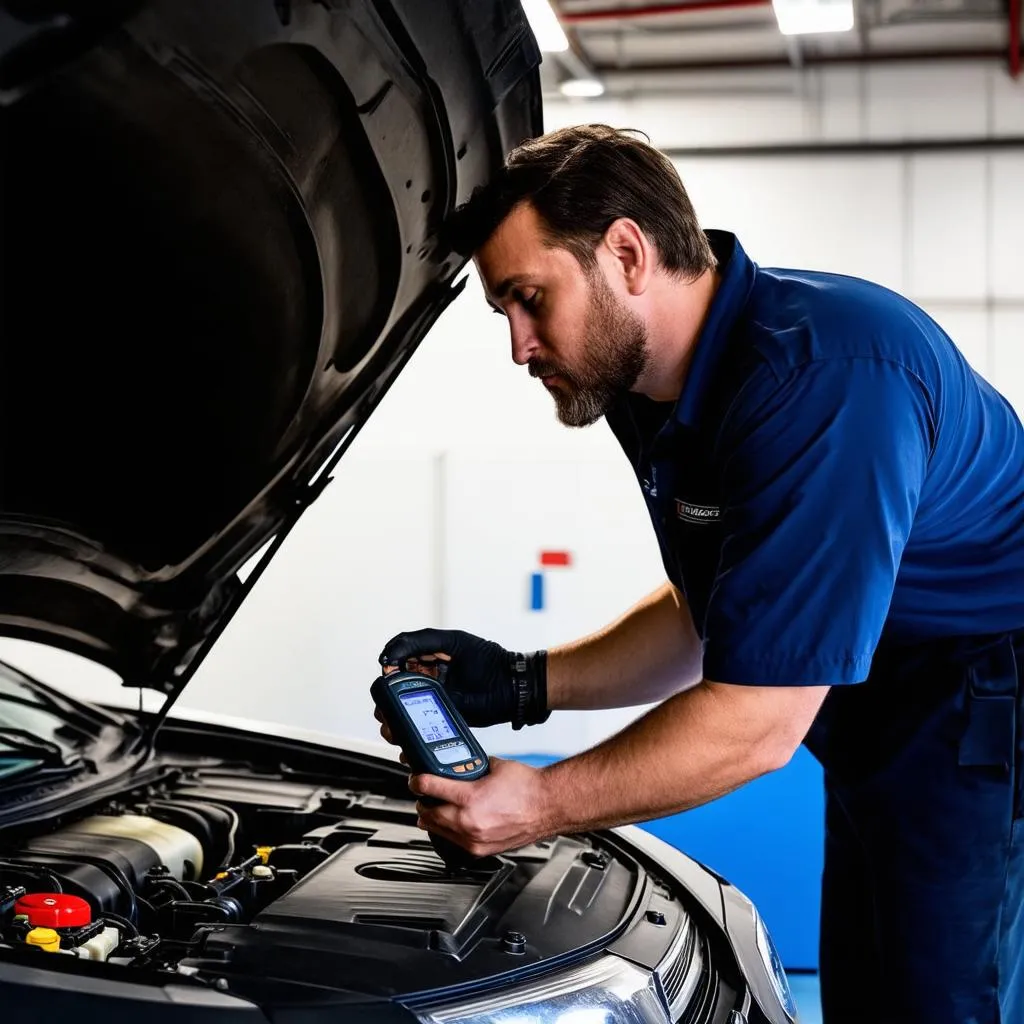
x: 682, y: 969
x: 704, y: 1001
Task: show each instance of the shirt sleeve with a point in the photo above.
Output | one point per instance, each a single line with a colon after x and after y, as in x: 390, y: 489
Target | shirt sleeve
x: 822, y: 473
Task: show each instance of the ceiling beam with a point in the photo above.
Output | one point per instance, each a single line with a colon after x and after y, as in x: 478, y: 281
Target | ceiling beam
x: 655, y: 10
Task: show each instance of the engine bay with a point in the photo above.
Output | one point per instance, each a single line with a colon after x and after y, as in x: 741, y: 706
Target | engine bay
x: 139, y: 878
x: 230, y: 873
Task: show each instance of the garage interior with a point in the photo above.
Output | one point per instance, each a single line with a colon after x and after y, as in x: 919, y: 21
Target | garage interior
x: 877, y: 138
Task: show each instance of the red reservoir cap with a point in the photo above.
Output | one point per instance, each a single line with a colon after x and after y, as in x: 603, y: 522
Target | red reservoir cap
x: 54, y: 910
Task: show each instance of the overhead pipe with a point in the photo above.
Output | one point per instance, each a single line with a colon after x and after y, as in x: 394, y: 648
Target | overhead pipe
x: 655, y: 10
x: 1015, y: 39
x: 809, y: 60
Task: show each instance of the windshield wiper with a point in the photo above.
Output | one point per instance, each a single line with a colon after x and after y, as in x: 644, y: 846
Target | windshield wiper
x: 49, y: 755
x: 70, y: 717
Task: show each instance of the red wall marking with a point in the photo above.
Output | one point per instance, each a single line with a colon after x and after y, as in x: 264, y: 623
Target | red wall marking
x: 555, y: 558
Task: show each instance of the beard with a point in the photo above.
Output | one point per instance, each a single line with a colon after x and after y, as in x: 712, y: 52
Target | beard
x: 614, y: 355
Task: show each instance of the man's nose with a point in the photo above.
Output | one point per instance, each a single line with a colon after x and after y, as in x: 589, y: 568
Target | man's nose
x: 525, y: 344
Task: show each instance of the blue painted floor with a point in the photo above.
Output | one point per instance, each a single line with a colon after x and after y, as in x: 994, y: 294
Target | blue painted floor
x: 808, y: 1000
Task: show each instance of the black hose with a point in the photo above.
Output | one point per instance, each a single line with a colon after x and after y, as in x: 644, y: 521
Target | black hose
x: 33, y: 871
x: 120, y: 922
x: 149, y: 909
x: 173, y: 883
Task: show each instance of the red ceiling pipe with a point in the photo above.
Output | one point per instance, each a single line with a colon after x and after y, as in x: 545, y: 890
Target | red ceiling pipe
x: 654, y: 10
x: 1015, y: 38
x: 750, y: 63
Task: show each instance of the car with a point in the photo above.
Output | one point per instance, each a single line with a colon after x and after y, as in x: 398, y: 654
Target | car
x: 223, y: 233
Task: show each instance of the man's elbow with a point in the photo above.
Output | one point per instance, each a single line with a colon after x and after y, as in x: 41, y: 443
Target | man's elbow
x: 800, y: 706
x: 775, y: 753
x: 780, y: 718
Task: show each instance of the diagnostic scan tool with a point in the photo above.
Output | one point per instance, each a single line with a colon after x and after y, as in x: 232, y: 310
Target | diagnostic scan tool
x: 434, y: 738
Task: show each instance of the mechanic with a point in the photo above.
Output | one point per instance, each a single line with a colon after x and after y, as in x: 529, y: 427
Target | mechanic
x: 839, y: 502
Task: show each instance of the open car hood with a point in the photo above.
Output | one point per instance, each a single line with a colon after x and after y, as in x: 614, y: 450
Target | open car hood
x: 220, y: 246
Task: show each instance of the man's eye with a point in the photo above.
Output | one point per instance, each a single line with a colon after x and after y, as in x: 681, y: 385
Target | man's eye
x: 530, y: 302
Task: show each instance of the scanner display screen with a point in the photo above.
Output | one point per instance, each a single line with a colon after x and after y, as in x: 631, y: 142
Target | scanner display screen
x: 427, y: 715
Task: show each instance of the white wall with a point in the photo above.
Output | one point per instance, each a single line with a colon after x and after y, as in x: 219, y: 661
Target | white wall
x: 438, y: 512
x: 945, y: 228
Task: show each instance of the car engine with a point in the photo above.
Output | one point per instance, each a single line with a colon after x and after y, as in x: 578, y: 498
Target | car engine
x: 228, y: 871
x: 141, y: 875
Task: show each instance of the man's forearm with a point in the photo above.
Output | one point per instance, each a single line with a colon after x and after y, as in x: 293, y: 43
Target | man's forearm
x: 693, y: 748
x: 646, y: 655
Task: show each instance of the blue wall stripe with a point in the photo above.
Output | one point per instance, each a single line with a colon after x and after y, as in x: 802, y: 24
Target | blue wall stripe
x: 537, y: 592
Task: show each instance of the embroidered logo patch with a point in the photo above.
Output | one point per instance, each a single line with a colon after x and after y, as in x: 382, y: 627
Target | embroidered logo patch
x: 697, y: 513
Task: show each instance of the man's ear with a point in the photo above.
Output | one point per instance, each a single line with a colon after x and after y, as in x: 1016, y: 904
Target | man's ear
x: 632, y: 254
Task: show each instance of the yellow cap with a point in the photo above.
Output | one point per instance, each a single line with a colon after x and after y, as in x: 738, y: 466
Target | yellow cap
x: 220, y: 875
x: 264, y: 852
x: 44, y: 938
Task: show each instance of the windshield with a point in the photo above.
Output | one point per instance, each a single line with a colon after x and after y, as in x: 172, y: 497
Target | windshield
x: 22, y: 709
x: 30, y: 733
x: 41, y: 730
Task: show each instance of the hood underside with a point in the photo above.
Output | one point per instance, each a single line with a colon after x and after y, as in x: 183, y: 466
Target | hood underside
x: 220, y: 246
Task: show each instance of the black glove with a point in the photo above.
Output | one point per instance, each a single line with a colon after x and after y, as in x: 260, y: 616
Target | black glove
x: 487, y: 684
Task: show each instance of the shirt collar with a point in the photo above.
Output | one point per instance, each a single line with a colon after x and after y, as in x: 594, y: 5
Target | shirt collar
x: 737, y: 272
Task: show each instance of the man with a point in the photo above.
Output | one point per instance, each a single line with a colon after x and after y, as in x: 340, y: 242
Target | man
x: 839, y: 502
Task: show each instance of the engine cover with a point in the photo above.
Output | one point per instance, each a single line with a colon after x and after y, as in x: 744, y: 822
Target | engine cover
x: 383, y: 896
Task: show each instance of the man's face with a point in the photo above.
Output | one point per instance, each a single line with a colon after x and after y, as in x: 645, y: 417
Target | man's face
x: 567, y: 325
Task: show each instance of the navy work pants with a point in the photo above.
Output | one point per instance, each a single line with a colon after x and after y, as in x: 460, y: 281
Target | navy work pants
x: 923, y: 888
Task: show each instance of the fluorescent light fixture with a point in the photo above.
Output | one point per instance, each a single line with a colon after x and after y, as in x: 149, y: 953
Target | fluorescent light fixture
x: 808, y: 17
x: 546, y: 28
x: 582, y: 88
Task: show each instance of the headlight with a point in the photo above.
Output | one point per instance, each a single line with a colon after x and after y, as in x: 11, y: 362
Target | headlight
x: 605, y: 991
x: 773, y: 965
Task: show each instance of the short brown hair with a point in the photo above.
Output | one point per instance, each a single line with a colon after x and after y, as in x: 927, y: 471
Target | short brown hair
x: 580, y: 180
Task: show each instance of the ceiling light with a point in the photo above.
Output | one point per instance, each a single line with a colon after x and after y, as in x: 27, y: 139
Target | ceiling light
x: 585, y: 88
x: 806, y: 17
x: 546, y: 29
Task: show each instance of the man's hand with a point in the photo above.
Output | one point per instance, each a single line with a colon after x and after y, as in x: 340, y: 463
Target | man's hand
x: 488, y: 684
x: 504, y: 810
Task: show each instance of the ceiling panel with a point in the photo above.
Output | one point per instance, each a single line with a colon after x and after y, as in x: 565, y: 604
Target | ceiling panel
x: 664, y: 35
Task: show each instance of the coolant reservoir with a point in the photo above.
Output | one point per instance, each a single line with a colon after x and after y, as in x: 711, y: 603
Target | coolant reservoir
x: 180, y: 851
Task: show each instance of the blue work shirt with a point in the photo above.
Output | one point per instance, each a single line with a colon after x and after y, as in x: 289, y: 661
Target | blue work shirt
x: 833, y: 472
